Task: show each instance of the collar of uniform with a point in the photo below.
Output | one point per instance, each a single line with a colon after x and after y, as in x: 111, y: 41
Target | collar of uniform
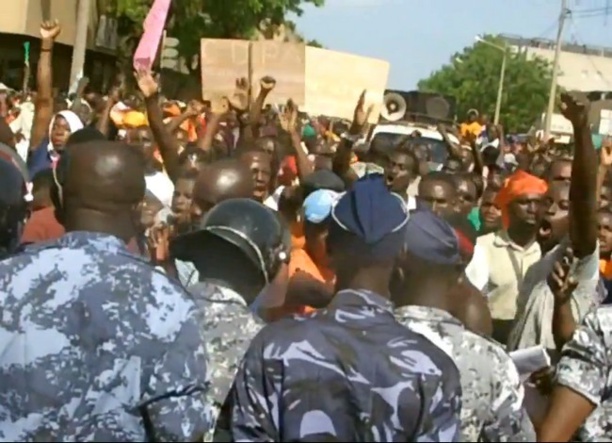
x: 503, y: 240
x: 426, y: 313
x: 215, y: 292
x: 85, y: 239
x: 361, y: 298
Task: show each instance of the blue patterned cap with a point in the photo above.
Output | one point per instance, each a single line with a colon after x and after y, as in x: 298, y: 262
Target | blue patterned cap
x: 369, y: 219
x: 432, y: 239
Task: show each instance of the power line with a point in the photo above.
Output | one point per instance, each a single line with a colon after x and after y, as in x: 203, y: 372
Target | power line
x: 548, y: 30
x: 592, y: 12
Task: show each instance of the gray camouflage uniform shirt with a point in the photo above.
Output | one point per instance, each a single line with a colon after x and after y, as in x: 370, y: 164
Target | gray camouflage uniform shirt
x: 349, y: 372
x: 229, y: 326
x: 90, y: 333
x: 586, y: 368
x: 492, y: 392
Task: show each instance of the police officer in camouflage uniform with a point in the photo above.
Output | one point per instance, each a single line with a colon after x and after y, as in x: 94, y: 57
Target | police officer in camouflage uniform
x: 492, y: 392
x: 13, y: 207
x: 349, y: 372
x: 239, y: 249
x: 581, y: 397
x: 95, y: 344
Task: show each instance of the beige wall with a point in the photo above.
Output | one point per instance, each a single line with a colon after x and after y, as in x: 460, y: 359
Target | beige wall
x: 24, y: 17
x: 579, y: 72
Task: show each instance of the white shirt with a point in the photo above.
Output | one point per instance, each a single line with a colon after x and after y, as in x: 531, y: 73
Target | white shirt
x: 161, y: 187
x: 535, y: 304
x: 273, y: 199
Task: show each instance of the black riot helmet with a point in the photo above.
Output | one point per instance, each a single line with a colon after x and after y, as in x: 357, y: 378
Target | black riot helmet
x: 13, y: 207
x: 257, y: 231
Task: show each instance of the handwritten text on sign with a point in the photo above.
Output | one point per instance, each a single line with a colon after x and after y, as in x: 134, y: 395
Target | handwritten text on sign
x: 321, y: 82
x: 145, y: 54
x: 286, y: 62
x: 224, y: 61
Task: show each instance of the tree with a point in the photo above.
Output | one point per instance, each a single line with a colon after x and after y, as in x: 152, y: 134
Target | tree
x: 292, y: 34
x: 191, y: 20
x: 472, y: 78
x: 315, y: 43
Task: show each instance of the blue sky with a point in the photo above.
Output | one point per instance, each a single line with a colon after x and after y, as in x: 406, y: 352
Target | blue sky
x: 419, y: 36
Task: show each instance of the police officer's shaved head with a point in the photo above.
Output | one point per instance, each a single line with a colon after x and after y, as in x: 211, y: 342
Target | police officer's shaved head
x: 100, y: 183
x: 104, y: 173
x: 222, y: 180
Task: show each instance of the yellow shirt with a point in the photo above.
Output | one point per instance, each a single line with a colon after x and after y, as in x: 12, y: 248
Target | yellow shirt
x: 474, y: 128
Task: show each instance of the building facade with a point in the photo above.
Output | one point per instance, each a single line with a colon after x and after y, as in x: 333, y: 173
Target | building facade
x: 581, y: 67
x: 20, y: 23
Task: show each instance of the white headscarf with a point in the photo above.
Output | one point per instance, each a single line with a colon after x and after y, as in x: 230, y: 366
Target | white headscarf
x: 74, y: 123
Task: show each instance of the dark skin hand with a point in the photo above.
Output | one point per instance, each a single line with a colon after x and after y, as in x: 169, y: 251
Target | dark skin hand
x: 288, y: 121
x: 167, y: 144
x: 44, y: 80
x: 220, y: 109
x: 341, y: 164
x: 103, y: 123
x: 266, y: 84
x: 453, y: 149
x: 562, y: 285
x: 583, y: 189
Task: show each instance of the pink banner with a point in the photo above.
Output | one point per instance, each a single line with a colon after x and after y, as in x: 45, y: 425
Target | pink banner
x: 145, y: 54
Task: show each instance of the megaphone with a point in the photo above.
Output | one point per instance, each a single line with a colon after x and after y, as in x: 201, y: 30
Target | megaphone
x: 394, y: 107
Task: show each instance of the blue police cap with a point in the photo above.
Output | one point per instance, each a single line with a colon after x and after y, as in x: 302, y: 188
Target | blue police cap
x: 369, y: 220
x: 431, y: 238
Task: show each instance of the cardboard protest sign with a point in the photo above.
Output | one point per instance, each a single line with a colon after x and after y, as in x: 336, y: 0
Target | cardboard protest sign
x: 222, y: 62
x: 286, y: 62
x: 320, y: 81
x: 334, y: 81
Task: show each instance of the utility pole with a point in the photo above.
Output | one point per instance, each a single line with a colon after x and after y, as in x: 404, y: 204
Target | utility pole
x: 80, y: 42
x: 500, y: 88
x: 553, y: 83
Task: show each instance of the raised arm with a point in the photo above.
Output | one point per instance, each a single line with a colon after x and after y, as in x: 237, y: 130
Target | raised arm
x: 167, y: 144
x: 266, y: 84
x: 43, y: 112
x: 342, y: 159
x: 583, y: 189
x: 288, y: 122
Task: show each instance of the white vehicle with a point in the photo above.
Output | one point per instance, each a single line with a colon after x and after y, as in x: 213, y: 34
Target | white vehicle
x: 390, y: 132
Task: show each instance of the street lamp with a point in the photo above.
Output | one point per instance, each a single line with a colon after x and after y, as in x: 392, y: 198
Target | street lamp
x: 500, y: 88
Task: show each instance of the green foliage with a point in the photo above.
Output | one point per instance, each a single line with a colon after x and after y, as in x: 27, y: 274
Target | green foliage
x: 192, y: 20
x: 315, y: 43
x: 472, y: 78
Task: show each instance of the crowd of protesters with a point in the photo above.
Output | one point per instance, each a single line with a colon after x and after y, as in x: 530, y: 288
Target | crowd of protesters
x: 224, y: 271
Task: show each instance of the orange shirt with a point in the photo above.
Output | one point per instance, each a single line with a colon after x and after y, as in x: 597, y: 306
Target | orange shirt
x: 301, y: 261
x: 297, y: 235
x: 605, y: 268
x: 42, y: 226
